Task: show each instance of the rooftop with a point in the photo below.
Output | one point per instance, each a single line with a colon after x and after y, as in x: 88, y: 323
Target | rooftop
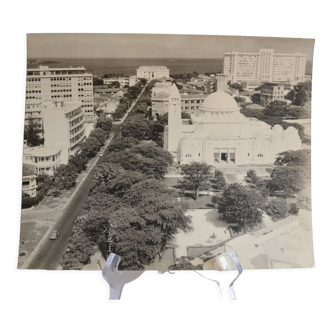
x: 41, y: 151
x: 28, y: 170
x: 153, y: 66
x: 47, y: 68
x: 254, y: 107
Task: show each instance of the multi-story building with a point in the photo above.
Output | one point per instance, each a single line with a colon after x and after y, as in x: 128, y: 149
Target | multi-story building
x: 63, y: 126
x: 29, y: 182
x: 123, y: 81
x: 43, y: 159
x: 69, y: 84
x: 152, y: 72
x: 189, y: 103
x: 265, y: 66
x: 271, y: 92
x: 33, y: 112
x: 64, y: 130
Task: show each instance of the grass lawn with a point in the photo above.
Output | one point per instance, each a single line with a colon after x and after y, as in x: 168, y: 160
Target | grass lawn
x: 204, y: 202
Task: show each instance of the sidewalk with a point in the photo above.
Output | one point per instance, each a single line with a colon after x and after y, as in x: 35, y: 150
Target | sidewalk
x: 38, y: 222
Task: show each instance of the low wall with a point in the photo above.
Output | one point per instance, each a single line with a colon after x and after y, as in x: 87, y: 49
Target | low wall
x: 196, y: 251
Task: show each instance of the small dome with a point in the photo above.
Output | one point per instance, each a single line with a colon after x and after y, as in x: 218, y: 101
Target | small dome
x: 277, y: 128
x: 219, y: 101
x: 291, y: 129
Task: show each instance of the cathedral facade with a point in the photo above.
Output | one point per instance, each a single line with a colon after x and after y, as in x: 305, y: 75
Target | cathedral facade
x: 220, y: 135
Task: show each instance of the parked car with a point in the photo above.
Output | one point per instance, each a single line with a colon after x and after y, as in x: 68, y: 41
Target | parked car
x: 54, y: 235
x: 100, y: 154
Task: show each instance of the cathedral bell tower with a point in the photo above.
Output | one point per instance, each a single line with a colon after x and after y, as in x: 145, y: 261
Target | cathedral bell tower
x: 174, y: 122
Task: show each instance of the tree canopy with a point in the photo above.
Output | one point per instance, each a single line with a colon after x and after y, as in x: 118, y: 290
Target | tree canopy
x: 32, y: 133
x: 240, y: 204
x: 195, y: 176
x: 137, y: 127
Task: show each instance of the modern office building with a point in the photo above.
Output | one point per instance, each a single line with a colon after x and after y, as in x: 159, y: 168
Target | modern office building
x: 69, y: 84
x: 271, y: 92
x: 152, y: 72
x: 265, y: 66
x: 123, y: 81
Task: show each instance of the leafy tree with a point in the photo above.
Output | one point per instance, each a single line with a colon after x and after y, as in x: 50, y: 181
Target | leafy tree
x: 195, y: 176
x: 123, y: 143
x: 80, y: 249
x: 79, y: 161
x: 97, y: 81
x: 241, y: 205
x: 99, y: 134
x: 220, y: 180
x: 155, y: 167
x: 256, y: 98
x: 276, y: 108
x: 252, y: 176
x: 300, y: 93
x: 136, y: 126
x: 297, y: 112
x: 32, y: 132
x: 237, y: 86
x: 277, y: 209
x: 152, y: 151
x: 294, y: 158
x: 132, y: 240
x: 90, y: 147
x: 95, y: 226
x: 291, y: 180
x: 105, y: 124
x: 121, y: 185
x: 65, y: 176
x: 105, y: 173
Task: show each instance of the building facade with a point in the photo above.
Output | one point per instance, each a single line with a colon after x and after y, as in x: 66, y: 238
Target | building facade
x: 63, y: 127
x: 123, y: 81
x: 265, y: 66
x: 189, y: 103
x: 29, y: 181
x: 221, y: 136
x: 69, y: 84
x: 152, y: 72
x: 33, y: 112
x: 271, y: 92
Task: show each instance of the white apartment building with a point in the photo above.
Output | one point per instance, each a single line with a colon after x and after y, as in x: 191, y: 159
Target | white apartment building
x: 123, y: 81
x: 271, y: 92
x: 152, y: 72
x: 265, y: 66
x: 33, y: 111
x: 64, y: 130
x: 69, y: 84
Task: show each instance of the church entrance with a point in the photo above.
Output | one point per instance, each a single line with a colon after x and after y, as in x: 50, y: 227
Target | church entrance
x: 224, y: 156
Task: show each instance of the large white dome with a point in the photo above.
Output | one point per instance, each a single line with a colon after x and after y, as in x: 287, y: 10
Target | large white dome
x: 219, y: 101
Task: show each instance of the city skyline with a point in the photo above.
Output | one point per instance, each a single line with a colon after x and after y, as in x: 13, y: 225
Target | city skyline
x: 159, y: 46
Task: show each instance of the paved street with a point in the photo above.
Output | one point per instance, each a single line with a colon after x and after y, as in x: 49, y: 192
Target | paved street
x: 48, y: 253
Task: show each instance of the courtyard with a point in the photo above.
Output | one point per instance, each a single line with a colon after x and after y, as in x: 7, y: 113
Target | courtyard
x: 208, y: 230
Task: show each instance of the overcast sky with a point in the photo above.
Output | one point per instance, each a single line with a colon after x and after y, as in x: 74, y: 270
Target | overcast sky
x: 156, y: 46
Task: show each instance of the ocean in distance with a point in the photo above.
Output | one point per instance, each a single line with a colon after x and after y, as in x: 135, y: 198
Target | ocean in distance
x: 127, y: 66
x: 99, y: 67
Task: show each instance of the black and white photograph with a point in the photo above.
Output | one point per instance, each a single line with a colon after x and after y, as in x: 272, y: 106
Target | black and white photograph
x: 167, y: 150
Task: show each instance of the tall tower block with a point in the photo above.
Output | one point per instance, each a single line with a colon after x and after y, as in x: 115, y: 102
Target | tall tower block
x: 173, y: 132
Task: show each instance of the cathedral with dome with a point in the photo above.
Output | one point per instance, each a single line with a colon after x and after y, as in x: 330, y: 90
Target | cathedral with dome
x: 220, y: 135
